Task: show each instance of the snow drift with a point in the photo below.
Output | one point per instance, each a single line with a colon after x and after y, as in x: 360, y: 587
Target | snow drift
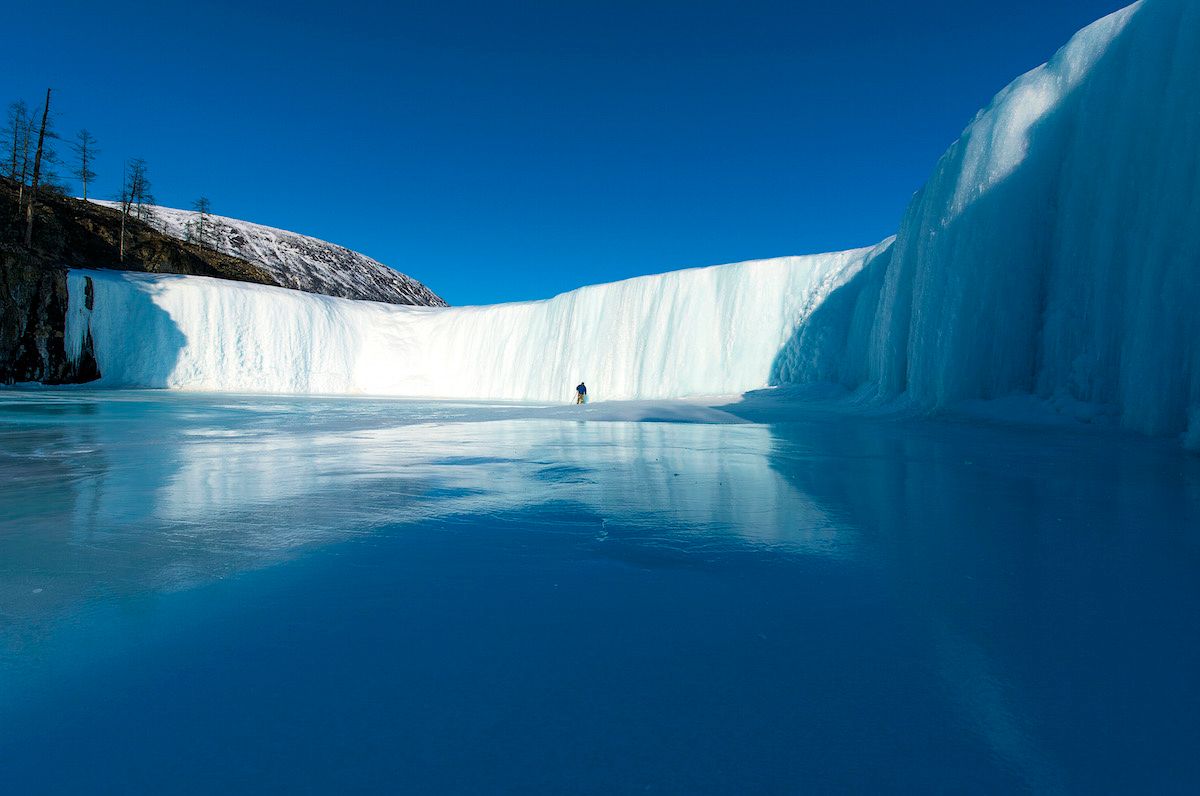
x: 297, y: 261
x: 1054, y: 253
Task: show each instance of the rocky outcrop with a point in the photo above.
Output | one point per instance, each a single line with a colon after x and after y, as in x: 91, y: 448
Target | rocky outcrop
x: 33, y: 306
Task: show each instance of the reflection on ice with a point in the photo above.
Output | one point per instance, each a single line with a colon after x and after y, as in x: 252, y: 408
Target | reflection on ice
x: 712, y: 479
x: 180, y: 490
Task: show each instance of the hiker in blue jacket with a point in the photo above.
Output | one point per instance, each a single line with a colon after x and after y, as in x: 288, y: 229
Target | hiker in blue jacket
x: 581, y: 393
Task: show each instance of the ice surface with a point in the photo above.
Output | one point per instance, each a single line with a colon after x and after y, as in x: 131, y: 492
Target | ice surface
x: 317, y: 470
x: 452, y: 595
x: 1053, y: 255
x: 298, y: 261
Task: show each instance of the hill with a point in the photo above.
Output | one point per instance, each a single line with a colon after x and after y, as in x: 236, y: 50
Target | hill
x: 298, y: 261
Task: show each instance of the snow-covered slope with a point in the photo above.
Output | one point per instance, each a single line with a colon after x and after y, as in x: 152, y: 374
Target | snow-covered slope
x: 701, y: 331
x: 1054, y: 253
x: 298, y: 261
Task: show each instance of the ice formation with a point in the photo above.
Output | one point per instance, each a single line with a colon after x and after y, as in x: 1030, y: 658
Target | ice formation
x: 1054, y: 253
x: 701, y: 331
x: 1056, y: 249
x: 297, y: 261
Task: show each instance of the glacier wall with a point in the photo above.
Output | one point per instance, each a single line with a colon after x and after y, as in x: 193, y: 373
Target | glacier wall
x: 701, y: 331
x: 1056, y: 249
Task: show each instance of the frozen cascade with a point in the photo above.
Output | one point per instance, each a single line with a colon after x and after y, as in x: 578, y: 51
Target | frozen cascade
x: 1055, y: 253
x: 700, y: 331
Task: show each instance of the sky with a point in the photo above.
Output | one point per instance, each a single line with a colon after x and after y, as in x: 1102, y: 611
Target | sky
x: 502, y: 151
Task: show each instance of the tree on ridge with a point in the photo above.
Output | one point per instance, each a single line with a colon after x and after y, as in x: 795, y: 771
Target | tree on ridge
x: 140, y: 197
x: 85, y: 154
x: 37, y: 170
x: 16, y: 124
x: 200, y: 228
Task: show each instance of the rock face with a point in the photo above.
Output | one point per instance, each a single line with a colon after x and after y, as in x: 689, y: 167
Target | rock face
x: 33, y: 304
x: 298, y: 261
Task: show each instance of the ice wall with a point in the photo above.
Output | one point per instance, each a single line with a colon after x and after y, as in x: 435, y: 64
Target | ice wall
x: 1056, y: 249
x: 1055, y: 252
x: 701, y: 331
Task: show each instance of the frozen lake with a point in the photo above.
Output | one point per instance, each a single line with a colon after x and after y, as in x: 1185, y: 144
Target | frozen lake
x: 214, y: 593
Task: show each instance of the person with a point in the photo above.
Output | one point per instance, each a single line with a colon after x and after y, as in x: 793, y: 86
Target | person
x: 581, y: 393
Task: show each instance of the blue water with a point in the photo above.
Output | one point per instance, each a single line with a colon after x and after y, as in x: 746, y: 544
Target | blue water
x: 218, y: 594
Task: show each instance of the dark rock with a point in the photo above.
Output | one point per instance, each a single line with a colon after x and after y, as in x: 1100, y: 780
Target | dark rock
x: 33, y: 308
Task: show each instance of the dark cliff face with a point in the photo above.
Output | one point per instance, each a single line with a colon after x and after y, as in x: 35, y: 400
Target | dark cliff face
x: 33, y: 307
x: 72, y: 233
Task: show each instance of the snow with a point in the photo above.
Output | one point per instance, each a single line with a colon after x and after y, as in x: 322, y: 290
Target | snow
x: 298, y: 261
x: 1053, y: 258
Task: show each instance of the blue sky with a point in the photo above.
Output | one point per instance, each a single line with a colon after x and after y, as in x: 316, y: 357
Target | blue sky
x: 501, y: 151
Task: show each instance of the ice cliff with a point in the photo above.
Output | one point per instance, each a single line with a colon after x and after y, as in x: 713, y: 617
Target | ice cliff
x: 1056, y: 249
x: 1054, y: 253
x: 701, y: 331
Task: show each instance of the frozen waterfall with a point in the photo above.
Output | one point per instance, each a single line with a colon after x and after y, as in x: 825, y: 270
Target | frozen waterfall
x: 1054, y: 253
x: 702, y: 331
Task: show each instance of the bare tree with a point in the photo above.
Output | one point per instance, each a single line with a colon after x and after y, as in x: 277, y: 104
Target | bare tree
x: 125, y: 201
x: 139, y: 190
x: 14, y: 133
x: 135, y: 199
x: 26, y: 135
x: 85, y: 154
x: 37, y: 169
x: 200, y: 228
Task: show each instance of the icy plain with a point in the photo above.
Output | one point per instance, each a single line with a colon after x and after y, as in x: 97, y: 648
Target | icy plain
x: 225, y: 593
